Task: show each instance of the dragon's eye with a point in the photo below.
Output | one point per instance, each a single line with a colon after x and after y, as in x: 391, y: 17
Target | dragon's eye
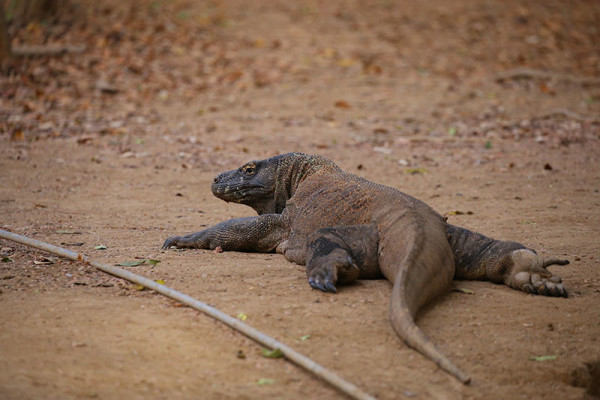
x: 249, y: 169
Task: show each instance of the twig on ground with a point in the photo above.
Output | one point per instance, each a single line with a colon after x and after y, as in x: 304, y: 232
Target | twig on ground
x: 45, y: 50
x: 530, y: 73
x: 334, y: 380
x: 569, y: 114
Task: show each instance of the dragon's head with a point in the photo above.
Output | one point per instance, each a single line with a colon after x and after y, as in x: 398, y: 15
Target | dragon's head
x: 252, y: 184
x: 267, y: 185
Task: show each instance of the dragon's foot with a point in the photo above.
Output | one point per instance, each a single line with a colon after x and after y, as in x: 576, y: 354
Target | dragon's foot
x: 537, y: 284
x: 326, y: 271
x: 323, y: 279
x: 530, y: 275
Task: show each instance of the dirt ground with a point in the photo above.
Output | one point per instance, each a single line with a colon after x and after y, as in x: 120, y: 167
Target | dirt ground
x: 117, y: 147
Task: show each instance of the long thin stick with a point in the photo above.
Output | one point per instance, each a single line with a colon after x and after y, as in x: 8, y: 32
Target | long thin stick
x: 45, y: 50
x: 530, y: 73
x: 267, y: 341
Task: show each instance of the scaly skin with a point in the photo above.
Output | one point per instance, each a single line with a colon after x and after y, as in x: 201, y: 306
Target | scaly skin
x: 479, y: 257
x: 344, y: 227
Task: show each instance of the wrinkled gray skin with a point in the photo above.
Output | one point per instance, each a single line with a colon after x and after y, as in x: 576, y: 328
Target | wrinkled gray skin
x: 345, y: 228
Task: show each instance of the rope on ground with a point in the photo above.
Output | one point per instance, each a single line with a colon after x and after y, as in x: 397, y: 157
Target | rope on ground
x: 254, y: 334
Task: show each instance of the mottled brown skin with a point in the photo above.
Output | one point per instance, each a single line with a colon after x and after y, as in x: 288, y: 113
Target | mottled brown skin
x: 344, y: 227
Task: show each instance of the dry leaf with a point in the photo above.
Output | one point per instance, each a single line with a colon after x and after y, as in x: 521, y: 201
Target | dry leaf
x: 342, y: 104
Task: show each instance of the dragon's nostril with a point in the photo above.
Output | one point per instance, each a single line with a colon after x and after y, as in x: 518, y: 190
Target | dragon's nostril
x: 216, y: 179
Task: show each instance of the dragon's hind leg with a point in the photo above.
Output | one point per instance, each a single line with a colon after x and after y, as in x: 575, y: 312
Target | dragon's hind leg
x: 479, y: 257
x: 341, y: 255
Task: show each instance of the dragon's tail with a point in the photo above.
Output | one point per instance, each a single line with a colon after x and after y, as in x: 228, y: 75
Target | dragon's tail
x: 415, y: 255
x: 404, y: 325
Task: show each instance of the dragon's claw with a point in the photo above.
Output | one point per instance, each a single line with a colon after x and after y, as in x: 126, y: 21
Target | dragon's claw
x: 330, y: 287
x: 322, y: 279
x: 536, y: 284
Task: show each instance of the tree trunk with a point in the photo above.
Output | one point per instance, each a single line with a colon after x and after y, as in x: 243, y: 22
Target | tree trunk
x: 4, y: 39
x: 34, y: 10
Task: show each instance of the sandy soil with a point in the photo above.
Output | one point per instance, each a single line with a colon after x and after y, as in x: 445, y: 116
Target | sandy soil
x: 117, y: 147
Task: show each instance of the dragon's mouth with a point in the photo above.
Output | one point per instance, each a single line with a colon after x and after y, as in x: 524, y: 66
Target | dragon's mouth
x: 236, y: 194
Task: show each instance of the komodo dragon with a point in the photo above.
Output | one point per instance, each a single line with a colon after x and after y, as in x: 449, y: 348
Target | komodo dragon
x: 344, y: 227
